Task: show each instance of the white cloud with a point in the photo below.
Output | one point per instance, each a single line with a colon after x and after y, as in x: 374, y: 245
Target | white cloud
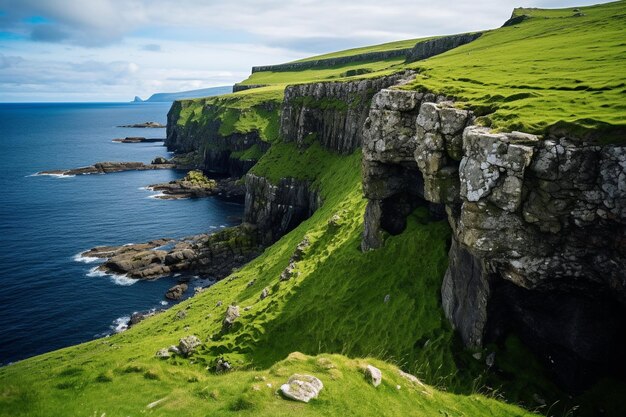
x: 122, y: 48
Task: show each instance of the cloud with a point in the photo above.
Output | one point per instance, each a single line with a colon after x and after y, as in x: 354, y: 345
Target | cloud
x: 152, y: 47
x: 106, y: 48
x: 9, y: 61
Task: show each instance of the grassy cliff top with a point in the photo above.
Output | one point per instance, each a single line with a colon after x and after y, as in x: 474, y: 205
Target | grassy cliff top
x: 383, y: 47
x: 557, y: 68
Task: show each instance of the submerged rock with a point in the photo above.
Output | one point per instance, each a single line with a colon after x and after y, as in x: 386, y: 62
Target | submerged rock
x: 302, y: 388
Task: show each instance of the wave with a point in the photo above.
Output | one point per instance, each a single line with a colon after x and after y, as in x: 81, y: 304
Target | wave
x: 39, y: 174
x: 117, y: 279
x: 120, y: 324
x: 157, y: 196
x: 85, y: 259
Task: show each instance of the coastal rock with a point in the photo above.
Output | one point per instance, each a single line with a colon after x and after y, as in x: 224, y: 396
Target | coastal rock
x: 373, y: 375
x: 176, y: 292
x: 302, y: 388
x: 145, y: 125
x: 138, y: 139
x: 107, y: 168
x: 195, y: 184
x: 159, y: 160
x: 187, y: 345
x: 214, y: 254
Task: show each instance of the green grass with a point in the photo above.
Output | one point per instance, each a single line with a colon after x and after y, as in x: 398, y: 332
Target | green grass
x: 552, y: 71
x: 389, y: 46
x: 334, y: 73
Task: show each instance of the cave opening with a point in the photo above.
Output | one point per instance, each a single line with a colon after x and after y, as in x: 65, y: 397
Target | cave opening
x: 578, y: 334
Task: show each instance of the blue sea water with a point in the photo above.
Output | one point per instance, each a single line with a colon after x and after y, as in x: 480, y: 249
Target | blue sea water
x: 48, y: 299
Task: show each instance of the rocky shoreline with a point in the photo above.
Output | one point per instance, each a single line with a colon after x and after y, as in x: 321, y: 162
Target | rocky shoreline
x: 196, y: 185
x: 137, y: 139
x: 110, y: 167
x: 215, y: 255
x: 149, y: 125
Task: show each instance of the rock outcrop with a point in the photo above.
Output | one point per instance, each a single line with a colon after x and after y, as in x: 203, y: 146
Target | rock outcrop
x: 332, y: 113
x: 108, y: 168
x: 436, y: 46
x: 213, y: 255
x: 152, y: 125
x: 539, y: 226
x: 276, y: 209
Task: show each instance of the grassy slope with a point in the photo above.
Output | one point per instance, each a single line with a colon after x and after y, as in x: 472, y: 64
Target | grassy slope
x: 336, y: 304
x: 553, y: 68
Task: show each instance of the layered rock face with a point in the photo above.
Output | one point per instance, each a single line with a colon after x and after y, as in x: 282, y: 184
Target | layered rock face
x: 539, y: 228
x: 214, y: 152
x: 276, y: 209
x: 331, y: 112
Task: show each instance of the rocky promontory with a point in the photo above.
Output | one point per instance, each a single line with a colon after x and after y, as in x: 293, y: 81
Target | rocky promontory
x: 145, y: 125
x: 196, y: 185
x: 110, y: 167
x: 137, y: 139
x: 214, y: 255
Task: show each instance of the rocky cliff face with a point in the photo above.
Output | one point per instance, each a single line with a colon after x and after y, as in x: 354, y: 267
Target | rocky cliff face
x: 214, y: 152
x: 539, y: 228
x: 276, y: 209
x: 331, y: 112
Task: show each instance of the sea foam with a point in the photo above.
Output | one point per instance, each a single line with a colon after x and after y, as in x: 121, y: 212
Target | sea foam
x: 122, y: 280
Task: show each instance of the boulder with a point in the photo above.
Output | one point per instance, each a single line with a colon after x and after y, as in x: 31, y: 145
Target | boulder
x: 163, y: 353
x: 187, y: 345
x: 160, y: 160
x: 232, y: 314
x: 373, y: 375
x: 176, y: 292
x: 301, y: 388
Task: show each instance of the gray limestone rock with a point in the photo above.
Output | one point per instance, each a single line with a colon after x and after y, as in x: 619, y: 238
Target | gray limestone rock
x: 373, y: 375
x: 302, y: 388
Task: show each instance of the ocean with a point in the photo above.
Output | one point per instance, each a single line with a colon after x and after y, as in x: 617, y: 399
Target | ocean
x: 49, y: 299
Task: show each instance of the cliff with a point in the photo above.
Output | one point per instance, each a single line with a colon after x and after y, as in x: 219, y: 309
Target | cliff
x: 421, y: 50
x: 224, y: 138
x: 332, y: 113
x: 538, y: 226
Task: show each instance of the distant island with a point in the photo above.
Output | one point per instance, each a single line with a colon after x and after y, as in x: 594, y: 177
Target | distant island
x: 204, y: 92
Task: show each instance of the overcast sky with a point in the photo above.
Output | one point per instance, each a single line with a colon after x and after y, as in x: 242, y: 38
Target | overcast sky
x: 112, y: 50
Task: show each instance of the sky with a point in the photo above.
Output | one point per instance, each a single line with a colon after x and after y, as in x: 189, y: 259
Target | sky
x: 113, y: 50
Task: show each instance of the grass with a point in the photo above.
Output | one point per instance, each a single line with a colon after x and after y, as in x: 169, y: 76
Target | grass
x: 553, y: 72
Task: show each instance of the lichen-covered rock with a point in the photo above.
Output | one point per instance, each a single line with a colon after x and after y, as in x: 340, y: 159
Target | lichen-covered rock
x: 163, y: 353
x: 302, y: 388
x: 187, y: 345
x: 232, y: 314
x: 373, y: 375
x: 536, y: 222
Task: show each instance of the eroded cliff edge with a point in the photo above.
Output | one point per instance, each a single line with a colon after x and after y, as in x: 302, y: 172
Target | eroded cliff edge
x: 538, y: 224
